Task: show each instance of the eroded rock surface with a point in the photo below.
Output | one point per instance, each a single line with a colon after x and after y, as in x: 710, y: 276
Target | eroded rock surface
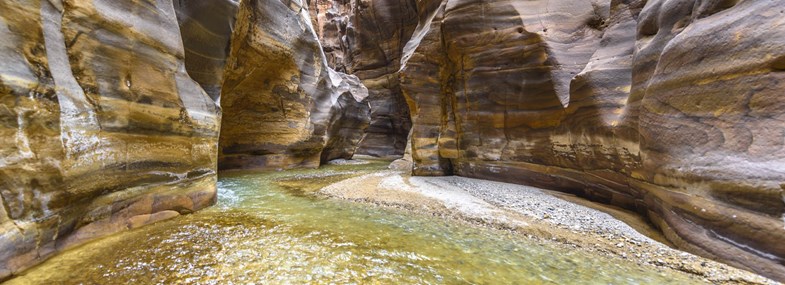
x: 670, y: 108
x: 206, y: 27
x: 332, y: 23
x: 366, y: 38
x: 283, y: 106
x: 101, y: 128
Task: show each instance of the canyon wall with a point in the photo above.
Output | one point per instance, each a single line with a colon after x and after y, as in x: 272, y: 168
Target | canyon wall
x: 101, y: 128
x: 366, y: 38
x: 206, y: 27
x: 283, y: 106
x: 669, y: 108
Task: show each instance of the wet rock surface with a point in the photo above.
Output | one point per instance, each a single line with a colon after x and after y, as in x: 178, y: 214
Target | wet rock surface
x: 101, y: 128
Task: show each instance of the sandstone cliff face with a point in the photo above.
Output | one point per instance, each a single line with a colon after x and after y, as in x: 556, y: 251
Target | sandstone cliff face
x: 283, y: 106
x: 669, y: 108
x: 711, y: 125
x: 206, y: 27
x: 100, y: 126
x: 332, y: 23
x: 366, y: 38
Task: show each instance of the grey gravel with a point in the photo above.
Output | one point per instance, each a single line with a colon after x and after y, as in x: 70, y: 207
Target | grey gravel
x: 534, y: 202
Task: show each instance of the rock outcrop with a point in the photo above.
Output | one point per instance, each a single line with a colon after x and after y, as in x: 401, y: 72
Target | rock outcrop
x: 669, y: 108
x: 283, y: 106
x: 101, y: 128
x: 366, y: 38
x: 331, y: 20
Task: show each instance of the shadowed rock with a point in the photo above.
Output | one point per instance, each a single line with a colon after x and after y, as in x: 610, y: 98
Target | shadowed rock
x: 282, y: 103
x: 366, y: 38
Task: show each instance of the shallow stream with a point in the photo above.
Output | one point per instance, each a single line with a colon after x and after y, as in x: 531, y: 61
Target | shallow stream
x: 268, y: 228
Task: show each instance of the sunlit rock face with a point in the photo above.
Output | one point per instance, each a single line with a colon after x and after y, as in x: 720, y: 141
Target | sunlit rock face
x: 366, y: 38
x: 670, y: 108
x: 283, y: 106
x: 101, y: 128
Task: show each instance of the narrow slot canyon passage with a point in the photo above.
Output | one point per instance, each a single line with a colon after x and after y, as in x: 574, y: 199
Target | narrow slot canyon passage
x: 392, y: 142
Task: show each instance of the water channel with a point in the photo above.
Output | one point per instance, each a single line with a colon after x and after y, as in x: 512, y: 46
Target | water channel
x: 268, y: 228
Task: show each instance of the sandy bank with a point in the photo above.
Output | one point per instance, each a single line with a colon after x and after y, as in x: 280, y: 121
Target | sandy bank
x: 539, y: 215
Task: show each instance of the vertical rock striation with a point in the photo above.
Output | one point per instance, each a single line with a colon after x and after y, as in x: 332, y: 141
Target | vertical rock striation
x: 102, y: 129
x: 669, y: 108
x: 366, y: 38
x: 331, y: 20
x: 282, y: 103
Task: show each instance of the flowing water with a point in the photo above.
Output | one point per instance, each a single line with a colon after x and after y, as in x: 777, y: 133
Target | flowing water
x: 268, y: 229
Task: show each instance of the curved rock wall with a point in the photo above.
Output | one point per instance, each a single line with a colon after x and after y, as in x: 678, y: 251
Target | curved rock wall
x: 670, y: 108
x: 101, y: 129
x: 667, y: 107
x: 366, y: 38
x: 710, y: 77
x: 282, y: 104
x: 206, y: 27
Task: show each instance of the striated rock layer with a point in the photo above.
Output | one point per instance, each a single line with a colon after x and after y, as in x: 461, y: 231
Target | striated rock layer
x: 366, y: 38
x: 101, y: 128
x: 670, y: 108
x: 283, y: 106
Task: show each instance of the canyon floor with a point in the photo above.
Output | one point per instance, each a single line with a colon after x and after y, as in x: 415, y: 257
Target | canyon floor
x: 359, y: 222
x: 541, y: 215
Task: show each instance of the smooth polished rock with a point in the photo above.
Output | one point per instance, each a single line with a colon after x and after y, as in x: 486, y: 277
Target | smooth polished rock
x: 206, y: 27
x: 96, y: 110
x: 282, y: 103
x: 669, y: 108
x: 711, y: 124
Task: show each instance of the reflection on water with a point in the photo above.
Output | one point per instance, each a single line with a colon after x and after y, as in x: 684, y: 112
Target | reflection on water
x: 265, y: 231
